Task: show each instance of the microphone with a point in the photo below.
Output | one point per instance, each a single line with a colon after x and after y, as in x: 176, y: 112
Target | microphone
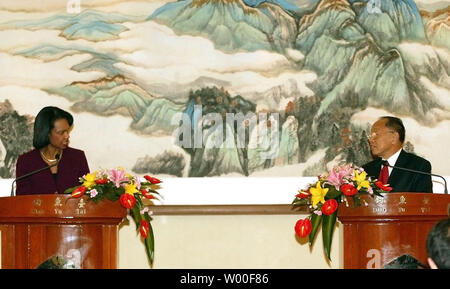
x: 57, y: 156
x: 386, y: 163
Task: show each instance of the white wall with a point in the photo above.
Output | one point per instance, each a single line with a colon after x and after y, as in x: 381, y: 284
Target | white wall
x: 226, y: 242
x: 241, y: 190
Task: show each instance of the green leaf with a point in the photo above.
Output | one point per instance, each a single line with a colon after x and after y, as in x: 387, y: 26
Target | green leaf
x: 157, y: 195
x: 298, y: 201
x: 332, y: 193
x: 328, y: 226
x: 147, y: 217
x: 99, y: 190
x: 113, y: 194
x: 378, y: 193
x: 138, y: 200
x: 136, y: 214
x: 70, y: 190
x: 357, y: 201
x: 315, y: 222
x: 154, y: 192
x: 150, y: 245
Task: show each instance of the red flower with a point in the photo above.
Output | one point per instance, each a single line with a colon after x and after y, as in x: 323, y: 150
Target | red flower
x: 146, y: 194
x: 101, y: 182
x: 303, y: 227
x: 303, y: 194
x: 152, y: 179
x: 127, y: 201
x: 329, y: 207
x: 380, y: 185
x: 144, y: 228
x: 349, y: 190
x: 78, y: 192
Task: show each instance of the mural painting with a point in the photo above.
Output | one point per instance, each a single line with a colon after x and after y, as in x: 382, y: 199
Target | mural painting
x: 197, y: 88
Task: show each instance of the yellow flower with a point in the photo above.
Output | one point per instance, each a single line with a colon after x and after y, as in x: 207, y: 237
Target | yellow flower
x: 131, y: 189
x: 90, y: 180
x: 318, y: 194
x: 361, y: 180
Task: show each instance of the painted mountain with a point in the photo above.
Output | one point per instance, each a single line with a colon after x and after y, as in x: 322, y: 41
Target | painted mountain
x: 365, y: 53
x: 437, y: 24
x: 354, y: 47
x: 16, y: 136
x: 119, y: 95
x: 231, y: 25
x: 89, y: 25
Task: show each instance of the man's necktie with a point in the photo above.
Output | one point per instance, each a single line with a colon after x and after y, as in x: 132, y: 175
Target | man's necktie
x: 384, y: 173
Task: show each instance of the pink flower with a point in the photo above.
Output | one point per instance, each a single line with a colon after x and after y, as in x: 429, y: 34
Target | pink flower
x: 117, y: 176
x: 93, y: 193
x: 146, y: 210
x: 138, y: 182
x: 338, y: 175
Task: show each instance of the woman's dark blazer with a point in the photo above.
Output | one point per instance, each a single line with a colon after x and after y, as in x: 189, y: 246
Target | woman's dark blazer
x: 71, y: 167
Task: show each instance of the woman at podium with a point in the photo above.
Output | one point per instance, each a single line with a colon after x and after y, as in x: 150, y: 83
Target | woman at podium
x: 52, y: 166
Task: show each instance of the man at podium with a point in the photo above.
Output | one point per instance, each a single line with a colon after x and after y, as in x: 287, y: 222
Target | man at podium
x: 52, y: 166
x: 386, y: 140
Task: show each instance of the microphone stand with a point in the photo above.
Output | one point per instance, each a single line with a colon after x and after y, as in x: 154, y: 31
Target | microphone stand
x: 419, y: 172
x: 32, y: 173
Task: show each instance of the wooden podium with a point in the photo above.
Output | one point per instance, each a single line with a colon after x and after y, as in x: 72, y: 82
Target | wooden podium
x: 384, y: 228
x: 36, y: 227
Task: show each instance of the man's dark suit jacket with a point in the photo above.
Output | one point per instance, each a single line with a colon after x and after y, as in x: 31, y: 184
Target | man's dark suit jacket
x: 403, y: 181
x: 71, y: 167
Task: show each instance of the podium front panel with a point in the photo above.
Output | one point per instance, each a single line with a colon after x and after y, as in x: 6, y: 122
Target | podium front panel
x: 384, y: 228
x: 54, y: 231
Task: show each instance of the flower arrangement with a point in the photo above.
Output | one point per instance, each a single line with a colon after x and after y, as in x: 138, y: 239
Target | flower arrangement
x: 323, y: 198
x: 117, y: 185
